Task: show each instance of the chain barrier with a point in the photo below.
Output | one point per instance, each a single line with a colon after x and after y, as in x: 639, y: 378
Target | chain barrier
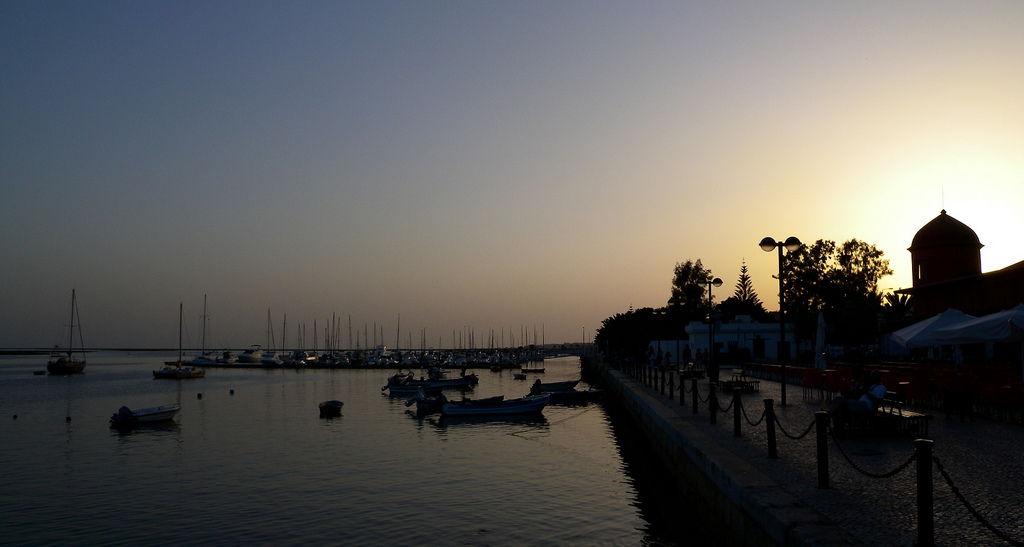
x: 797, y: 438
x: 970, y: 509
x: 703, y: 399
x: 846, y: 456
x: 743, y: 409
x: 726, y: 409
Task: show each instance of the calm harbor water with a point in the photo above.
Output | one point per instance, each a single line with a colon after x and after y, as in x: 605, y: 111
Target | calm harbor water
x: 261, y: 466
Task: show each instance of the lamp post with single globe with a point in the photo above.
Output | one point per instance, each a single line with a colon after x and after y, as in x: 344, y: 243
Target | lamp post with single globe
x: 712, y: 366
x: 672, y: 304
x: 768, y: 245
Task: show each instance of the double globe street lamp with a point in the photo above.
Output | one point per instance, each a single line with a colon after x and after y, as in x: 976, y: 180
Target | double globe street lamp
x: 768, y: 245
x: 712, y: 366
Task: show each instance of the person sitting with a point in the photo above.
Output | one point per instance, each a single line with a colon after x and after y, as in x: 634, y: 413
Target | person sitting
x: 867, y: 403
x: 535, y: 388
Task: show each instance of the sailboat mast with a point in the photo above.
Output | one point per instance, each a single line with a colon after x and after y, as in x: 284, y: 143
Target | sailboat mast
x: 71, y: 332
x: 180, y: 310
x: 203, y: 350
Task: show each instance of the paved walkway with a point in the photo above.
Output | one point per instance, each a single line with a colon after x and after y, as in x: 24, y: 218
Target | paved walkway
x: 984, y: 459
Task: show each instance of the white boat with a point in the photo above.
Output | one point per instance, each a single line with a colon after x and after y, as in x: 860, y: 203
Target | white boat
x: 126, y: 417
x: 252, y: 355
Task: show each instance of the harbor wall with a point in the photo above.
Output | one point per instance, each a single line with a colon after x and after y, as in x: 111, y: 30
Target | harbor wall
x: 740, y: 505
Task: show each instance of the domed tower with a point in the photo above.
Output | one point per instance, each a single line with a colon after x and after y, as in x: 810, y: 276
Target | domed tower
x: 944, y: 249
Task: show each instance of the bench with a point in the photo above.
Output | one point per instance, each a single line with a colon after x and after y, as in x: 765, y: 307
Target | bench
x: 741, y: 382
x: 890, y: 418
x: 689, y: 373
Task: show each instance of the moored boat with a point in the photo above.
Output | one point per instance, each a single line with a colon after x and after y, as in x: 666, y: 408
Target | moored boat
x: 407, y: 383
x: 205, y: 357
x: 531, y: 404
x: 542, y: 387
x: 573, y: 396
x: 330, y: 409
x: 425, y: 404
x: 252, y: 355
x: 126, y: 417
x: 71, y: 361
x: 173, y: 370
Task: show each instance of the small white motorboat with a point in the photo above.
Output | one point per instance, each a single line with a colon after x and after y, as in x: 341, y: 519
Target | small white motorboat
x: 126, y: 417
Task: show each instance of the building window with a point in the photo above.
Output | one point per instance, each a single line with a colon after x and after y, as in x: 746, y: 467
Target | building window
x: 922, y: 271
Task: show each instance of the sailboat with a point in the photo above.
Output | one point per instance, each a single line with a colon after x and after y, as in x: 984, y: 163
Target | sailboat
x: 173, y: 369
x: 66, y: 362
x: 203, y: 358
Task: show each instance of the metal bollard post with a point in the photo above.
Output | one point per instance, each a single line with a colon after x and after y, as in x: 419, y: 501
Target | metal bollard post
x: 769, y: 418
x: 821, y: 423
x: 696, y: 396
x: 682, y: 391
x: 662, y: 388
x: 671, y: 386
x: 925, y: 493
x: 713, y: 401
x: 737, y: 409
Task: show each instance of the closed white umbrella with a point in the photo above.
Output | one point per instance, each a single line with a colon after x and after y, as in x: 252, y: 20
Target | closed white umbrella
x: 819, y: 343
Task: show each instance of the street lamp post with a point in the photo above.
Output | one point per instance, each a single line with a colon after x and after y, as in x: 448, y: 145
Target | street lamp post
x: 712, y: 366
x: 768, y: 245
x: 672, y: 303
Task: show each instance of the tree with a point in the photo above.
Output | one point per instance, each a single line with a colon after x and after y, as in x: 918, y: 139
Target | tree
x: 841, y: 281
x: 744, y: 300
x: 897, y: 311
x: 629, y: 333
x: 687, y: 294
x: 745, y: 288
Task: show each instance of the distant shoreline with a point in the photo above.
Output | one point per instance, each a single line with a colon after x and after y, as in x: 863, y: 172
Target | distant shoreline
x: 47, y: 351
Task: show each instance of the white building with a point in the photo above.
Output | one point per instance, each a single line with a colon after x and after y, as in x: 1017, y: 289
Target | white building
x: 761, y: 339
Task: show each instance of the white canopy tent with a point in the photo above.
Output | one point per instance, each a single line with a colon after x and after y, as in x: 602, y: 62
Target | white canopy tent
x: 922, y: 333
x: 1004, y: 326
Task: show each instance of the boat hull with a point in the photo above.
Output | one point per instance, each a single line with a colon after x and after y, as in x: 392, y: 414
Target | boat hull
x: 126, y: 417
x: 330, y: 409
x: 531, y: 404
x: 66, y: 366
x: 556, y: 386
x: 400, y: 385
x: 172, y: 372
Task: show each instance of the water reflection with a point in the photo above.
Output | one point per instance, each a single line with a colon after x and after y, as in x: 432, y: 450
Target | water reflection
x: 253, y: 461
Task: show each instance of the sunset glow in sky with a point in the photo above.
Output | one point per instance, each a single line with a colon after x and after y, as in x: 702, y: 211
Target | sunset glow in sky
x: 478, y: 165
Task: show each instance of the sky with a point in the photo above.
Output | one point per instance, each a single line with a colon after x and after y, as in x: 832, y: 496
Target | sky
x: 426, y: 170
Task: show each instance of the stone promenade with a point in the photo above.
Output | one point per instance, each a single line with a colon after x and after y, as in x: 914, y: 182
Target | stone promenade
x: 984, y: 460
